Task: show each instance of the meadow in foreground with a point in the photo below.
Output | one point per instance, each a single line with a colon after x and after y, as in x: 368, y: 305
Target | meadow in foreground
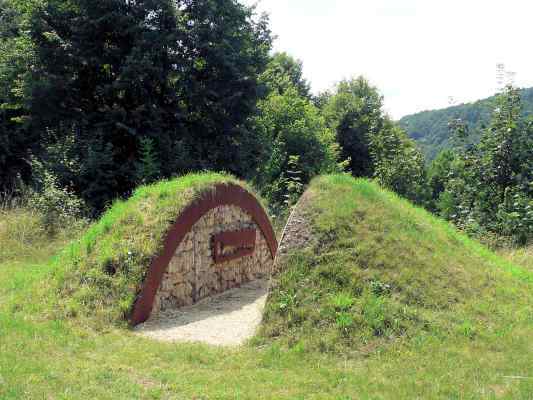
x: 432, y: 335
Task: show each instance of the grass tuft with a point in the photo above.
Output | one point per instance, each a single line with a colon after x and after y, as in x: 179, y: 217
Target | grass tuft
x: 24, y: 235
x: 519, y: 256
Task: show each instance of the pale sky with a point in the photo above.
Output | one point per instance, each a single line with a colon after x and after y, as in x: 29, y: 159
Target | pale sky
x: 419, y: 53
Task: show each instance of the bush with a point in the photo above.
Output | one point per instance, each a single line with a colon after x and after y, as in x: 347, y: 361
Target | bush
x: 58, y: 206
x: 297, y: 146
x: 488, y: 188
x: 398, y: 163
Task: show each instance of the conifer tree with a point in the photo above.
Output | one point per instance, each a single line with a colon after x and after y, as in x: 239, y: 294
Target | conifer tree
x: 182, y: 74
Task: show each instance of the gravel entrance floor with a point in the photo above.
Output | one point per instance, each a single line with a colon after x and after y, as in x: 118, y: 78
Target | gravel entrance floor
x: 228, y: 319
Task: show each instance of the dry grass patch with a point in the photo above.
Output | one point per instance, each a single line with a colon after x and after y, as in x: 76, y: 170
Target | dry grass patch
x: 521, y: 256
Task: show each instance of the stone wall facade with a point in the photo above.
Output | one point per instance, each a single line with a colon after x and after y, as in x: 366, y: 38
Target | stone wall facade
x: 297, y: 234
x: 192, y: 274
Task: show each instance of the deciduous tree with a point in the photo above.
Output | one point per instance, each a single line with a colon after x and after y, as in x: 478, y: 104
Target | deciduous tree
x: 354, y: 112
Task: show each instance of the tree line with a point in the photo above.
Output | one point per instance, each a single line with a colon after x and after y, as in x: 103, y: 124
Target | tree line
x: 97, y: 98
x: 431, y: 129
x: 486, y: 186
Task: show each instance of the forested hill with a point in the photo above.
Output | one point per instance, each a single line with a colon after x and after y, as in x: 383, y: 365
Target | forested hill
x: 430, y: 128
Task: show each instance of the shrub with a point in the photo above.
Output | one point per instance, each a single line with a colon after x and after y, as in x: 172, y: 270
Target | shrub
x: 489, y: 185
x: 58, y: 206
x: 297, y: 146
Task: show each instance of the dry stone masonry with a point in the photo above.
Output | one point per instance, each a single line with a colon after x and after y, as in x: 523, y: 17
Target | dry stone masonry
x: 193, y: 274
x: 297, y: 234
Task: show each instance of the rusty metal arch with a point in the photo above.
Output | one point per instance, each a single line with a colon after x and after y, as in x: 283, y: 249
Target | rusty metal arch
x: 221, y: 195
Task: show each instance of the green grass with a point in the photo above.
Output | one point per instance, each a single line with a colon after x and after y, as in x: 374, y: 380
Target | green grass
x: 23, y: 234
x: 383, y: 271
x: 471, y: 338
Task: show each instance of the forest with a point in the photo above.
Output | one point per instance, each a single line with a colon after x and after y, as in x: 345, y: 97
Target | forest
x: 97, y: 98
x: 431, y: 129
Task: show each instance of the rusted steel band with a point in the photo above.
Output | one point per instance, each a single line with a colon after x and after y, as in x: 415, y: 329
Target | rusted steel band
x: 242, y: 243
x: 221, y: 195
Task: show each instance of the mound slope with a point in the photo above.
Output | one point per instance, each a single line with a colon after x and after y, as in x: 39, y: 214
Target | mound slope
x: 102, y: 274
x: 378, y: 269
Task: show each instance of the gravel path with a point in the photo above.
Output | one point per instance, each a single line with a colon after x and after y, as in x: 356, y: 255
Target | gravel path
x: 228, y: 319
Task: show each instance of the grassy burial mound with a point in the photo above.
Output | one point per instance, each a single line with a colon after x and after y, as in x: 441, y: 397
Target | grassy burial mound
x: 101, y: 274
x: 361, y: 268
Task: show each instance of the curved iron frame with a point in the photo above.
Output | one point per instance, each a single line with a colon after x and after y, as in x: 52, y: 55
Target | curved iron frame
x: 223, y: 194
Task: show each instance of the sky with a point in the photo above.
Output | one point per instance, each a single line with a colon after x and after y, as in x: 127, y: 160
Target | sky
x: 421, y: 54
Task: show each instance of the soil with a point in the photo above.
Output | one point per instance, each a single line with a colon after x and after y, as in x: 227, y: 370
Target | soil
x: 297, y: 234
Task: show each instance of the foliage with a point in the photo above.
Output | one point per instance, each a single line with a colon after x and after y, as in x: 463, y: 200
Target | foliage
x: 371, y: 144
x: 109, y: 77
x: 296, y: 145
x: 148, y: 167
x: 295, y: 138
x: 57, y: 205
x: 293, y: 183
x: 108, y: 95
x: 490, y: 185
x: 226, y: 51
x: 354, y: 112
x: 438, y: 175
x: 17, y: 142
x: 284, y: 72
x: 431, y: 128
x: 398, y: 164
x: 160, y: 90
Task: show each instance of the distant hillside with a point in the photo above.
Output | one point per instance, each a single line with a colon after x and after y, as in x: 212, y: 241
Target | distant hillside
x: 430, y: 128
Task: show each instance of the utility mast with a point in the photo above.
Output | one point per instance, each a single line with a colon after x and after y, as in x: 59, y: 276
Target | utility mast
x: 503, y: 77
x: 500, y: 77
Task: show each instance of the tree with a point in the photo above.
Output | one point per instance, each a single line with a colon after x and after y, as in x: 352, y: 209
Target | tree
x: 17, y: 142
x: 296, y: 143
x: 354, y: 113
x: 490, y: 187
x: 113, y: 74
x: 284, y: 72
x: 439, y: 173
x: 224, y: 53
x: 373, y: 145
x: 104, y: 77
x: 397, y: 162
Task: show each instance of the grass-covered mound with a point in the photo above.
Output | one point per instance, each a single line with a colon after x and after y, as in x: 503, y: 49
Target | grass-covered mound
x: 101, y: 274
x: 379, y: 269
x: 485, y: 353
